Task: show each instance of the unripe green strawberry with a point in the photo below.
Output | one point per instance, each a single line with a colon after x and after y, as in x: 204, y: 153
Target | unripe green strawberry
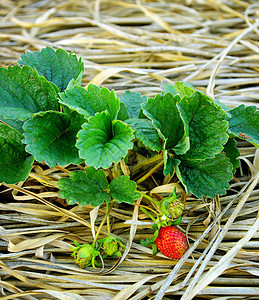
x: 176, y: 208
x: 171, y: 208
x: 84, y: 255
x: 171, y: 242
x: 110, y: 246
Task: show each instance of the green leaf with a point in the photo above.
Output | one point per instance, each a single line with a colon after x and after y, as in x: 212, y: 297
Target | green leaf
x: 132, y: 101
x: 23, y: 92
x: 180, y: 88
x: 148, y: 241
x: 103, y: 141
x: 205, y: 177
x: 154, y: 249
x: 76, y: 244
x: 222, y: 105
x: 232, y: 153
x: 77, y: 99
x: 77, y: 120
x: 146, y: 132
x: 73, y: 114
x: 14, y: 123
x: 164, y: 114
x: 89, y: 187
x: 51, y: 137
x: 123, y: 190
x: 168, y: 87
x: 206, y: 124
x: 89, y: 102
x: 168, y: 164
x: 177, y: 221
x: 15, y: 163
x: 151, y: 240
x: 57, y: 66
x: 184, y: 89
x: 123, y: 113
x: 244, y: 123
x: 75, y: 82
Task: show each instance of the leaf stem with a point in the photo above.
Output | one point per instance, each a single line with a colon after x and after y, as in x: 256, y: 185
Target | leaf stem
x: 148, y: 174
x: 145, y: 207
x: 148, y: 214
x: 150, y: 199
x: 101, y: 225
x: 149, y: 161
x: 108, y: 219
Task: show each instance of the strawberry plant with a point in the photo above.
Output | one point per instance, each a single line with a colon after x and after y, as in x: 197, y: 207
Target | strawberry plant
x: 47, y: 116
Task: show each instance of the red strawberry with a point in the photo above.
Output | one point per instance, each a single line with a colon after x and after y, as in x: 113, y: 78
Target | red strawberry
x: 171, y: 242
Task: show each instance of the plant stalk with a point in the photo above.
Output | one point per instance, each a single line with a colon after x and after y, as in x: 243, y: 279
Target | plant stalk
x: 152, y: 171
x: 108, y: 219
x: 102, y: 223
x: 150, y: 199
x: 148, y: 214
x: 147, y: 162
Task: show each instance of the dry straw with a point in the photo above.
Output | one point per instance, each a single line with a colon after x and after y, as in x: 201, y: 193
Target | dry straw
x: 135, y: 45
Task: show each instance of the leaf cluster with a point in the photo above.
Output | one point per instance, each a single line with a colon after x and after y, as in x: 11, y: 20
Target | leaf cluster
x: 46, y: 115
x: 92, y: 187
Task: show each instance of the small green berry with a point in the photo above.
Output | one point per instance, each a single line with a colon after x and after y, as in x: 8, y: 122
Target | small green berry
x: 84, y: 255
x: 110, y: 246
x: 172, y: 207
x: 176, y: 208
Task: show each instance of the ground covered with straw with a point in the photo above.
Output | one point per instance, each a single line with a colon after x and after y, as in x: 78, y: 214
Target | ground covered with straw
x: 134, y: 45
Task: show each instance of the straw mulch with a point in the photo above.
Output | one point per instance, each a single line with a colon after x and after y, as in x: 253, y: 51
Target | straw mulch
x: 135, y: 45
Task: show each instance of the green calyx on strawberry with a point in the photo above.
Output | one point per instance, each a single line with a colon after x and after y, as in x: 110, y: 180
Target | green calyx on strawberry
x: 170, y: 210
x: 110, y: 246
x: 167, y: 238
x: 84, y: 255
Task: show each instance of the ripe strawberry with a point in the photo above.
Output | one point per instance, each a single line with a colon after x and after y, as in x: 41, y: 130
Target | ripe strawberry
x: 171, y: 242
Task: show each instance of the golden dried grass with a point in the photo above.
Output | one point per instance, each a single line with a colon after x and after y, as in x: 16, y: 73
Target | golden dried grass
x: 134, y: 45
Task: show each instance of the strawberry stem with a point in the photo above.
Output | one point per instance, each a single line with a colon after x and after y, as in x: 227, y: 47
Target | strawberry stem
x: 108, y: 219
x: 150, y: 199
x: 102, y: 223
x: 145, y: 207
x: 148, y: 214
